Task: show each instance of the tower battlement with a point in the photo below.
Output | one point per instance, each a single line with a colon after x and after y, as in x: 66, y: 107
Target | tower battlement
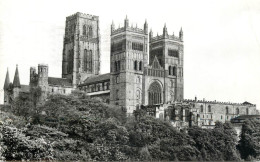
x: 160, y: 37
x: 128, y: 28
x: 83, y: 15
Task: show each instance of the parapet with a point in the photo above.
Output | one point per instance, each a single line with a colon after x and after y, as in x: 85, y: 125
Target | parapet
x: 131, y: 29
x: 83, y: 15
x: 46, y: 65
x: 170, y: 37
x: 217, y: 102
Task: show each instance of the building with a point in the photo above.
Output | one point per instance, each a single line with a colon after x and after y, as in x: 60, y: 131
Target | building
x: 138, y: 76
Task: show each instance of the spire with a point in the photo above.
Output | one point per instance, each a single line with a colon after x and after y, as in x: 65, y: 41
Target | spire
x: 126, y: 22
x: 145, y: 27
x: 16, y: 82
x: 112, y: 26
x: 165, y: 33
x: 7, y: 80
x: 151, y: 34
x: 181, y: 34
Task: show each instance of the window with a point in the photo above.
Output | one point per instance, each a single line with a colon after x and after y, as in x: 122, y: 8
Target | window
x: 88, y: 60
x: 221, y: 117
x: 137, y: 46
x: 84, y: 30
x: 247, y: 111
x: 227, y: 110
x: 115, y: 66
x: 140, y: 65
x: 209, y: 108
x: 135, y: 65
x: 52, y: 90
x: 237, y: 111
x: 108, y: 85
x: 118, y: 65
x: 117, y: 79
x: 90, y: 32
x: 117, y: 94
x: 170, y: 70
x: 64, y: 91
x: 174, y: 71
x: 201, y: 108
x: 173, y: 53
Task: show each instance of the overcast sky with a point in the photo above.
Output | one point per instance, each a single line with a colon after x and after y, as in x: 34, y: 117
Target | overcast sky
x: 221, y: 39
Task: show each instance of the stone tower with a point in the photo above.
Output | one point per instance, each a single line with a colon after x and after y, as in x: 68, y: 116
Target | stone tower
x: 128, y: 58
x: 81, y: 48
x: 6, y: 88
x: 43, y: 80
x: 169, y: 51
x: 16, y: 83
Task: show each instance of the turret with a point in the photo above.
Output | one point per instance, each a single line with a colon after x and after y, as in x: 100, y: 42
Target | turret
x: 165, y: 33
x: 7, y: 81
x: 181, y: 35
x: 150, y: 35
x: 126, y: 22
x: 42, y: 74
x: 33, y: 76
x: 6, y: 88
x: 16, y: 83
x: 112, y: 26
x: 145, y: 27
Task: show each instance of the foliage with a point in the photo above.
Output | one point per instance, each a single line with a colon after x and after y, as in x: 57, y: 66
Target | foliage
x: 216, y: 144
x: 249, y: 143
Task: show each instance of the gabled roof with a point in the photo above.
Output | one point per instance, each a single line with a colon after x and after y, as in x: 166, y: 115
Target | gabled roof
x: 16, y: 82
x: 7, y: 81
x: 156, y: 64
x: 97, y: 78
x: 59, y: 81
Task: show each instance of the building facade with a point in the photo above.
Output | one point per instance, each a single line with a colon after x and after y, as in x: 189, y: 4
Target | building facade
x: 138, y: 76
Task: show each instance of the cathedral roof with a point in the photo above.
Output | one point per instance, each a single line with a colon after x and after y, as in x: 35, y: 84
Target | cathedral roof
x: 97, y: 78
x: 16, y: 82
x: 59, y: 81
x: 7, y: 81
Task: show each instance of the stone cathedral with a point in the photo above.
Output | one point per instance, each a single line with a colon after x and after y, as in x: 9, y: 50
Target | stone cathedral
x: 138, y: 76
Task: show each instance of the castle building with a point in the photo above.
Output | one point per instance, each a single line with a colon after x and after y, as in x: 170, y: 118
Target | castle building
x: 138, y: 76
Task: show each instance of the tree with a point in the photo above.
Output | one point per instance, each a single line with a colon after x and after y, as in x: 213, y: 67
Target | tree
x: 249, y: 143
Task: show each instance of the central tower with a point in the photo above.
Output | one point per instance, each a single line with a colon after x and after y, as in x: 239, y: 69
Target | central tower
x: 81, y: 48
x: 128, y: 57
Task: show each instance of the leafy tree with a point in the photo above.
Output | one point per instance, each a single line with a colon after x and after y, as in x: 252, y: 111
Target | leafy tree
x: 249, y: 143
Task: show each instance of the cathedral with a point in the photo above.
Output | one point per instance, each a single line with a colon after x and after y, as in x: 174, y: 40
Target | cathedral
x: 145, y: 70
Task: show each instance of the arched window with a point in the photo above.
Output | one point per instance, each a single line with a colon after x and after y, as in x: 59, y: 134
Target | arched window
x: 247, y: 111
x: 90, y: 32
x: 154, y: 93
x: 209, y: 108
x: 89, y: 60
x: 140, y: 65
x: 201, y: 108
x: 227, y: 110
x: 84, y: 30
x: 170, y: 70
x: 135, y: 65
x: 117, y: 94
x: 115, y: 66
x: 118, y: 65
x: 237, y: 111
x: 174, y: 71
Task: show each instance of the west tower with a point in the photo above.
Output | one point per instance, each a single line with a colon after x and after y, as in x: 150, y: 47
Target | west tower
x: 128, y: 57
x: 168, y: 49
x: 81, y: 47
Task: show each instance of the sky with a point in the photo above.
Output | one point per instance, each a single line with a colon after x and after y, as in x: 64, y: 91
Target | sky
x: 221, y: 39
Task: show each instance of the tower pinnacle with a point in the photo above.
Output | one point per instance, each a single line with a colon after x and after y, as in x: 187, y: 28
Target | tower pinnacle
x: 16, y: 82
x: 7, y: 80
